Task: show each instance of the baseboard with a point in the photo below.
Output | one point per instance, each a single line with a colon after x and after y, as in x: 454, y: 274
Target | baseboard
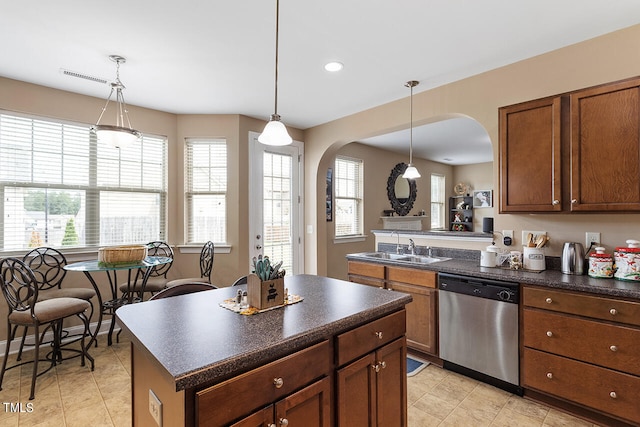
x: 73, y: 330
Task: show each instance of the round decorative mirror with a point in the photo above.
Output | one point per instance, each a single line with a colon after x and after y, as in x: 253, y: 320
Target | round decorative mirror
x: 401, y: 191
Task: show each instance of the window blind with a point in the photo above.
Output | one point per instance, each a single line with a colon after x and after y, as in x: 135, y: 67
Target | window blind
x: 437, y: 202
x: 60, y: 188
x: 206, y: 190
x: 348, y: 197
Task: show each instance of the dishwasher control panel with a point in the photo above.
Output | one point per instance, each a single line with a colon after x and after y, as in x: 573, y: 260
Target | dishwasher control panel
x: 482, y: 288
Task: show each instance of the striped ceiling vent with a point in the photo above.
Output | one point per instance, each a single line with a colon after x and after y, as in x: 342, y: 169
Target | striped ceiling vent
x: 83, y: 76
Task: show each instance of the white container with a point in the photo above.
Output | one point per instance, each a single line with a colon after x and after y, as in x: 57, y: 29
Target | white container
x: 600, y: 264
x: 489, y: 257
x: 533, y: 259
x: 628, y: 262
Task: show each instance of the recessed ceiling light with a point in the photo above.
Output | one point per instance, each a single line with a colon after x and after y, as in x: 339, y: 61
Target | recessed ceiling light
x: 334, y: 66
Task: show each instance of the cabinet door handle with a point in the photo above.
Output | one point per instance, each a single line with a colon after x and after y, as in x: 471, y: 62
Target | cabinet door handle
x: 574, y: 202
x: 383, y: 364
x: 613, y: 348
x: 549, y: 375
x: 271, y: 425
x: 548, y: 300
x: 555, y: 202
x: 376, y: 367
x: 613, y: 311
x: 378, y: 334
x: 284, y: 422
x: 549, y: 333
x: 278, y: 382
x: 613, y: 395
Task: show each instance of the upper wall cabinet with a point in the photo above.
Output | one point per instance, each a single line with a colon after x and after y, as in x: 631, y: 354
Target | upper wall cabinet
x: 576, y: 152
x: 605, y: 148
x: 530, y: 166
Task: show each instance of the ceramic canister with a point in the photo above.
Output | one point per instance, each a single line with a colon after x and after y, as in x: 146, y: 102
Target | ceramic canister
x: 533, y: 259
x: 627, y: 262
x: 600, y: 264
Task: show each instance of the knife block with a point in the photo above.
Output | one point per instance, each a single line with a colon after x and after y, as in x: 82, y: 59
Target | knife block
x: 267, y: 294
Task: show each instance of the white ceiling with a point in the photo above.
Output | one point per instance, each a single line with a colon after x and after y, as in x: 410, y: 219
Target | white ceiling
x: 214, y: 57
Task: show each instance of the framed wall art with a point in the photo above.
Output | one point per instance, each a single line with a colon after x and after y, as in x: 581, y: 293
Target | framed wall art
x: 483, y: 199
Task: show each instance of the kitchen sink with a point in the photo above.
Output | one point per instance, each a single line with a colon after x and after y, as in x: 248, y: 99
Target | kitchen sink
x: 385, y: 255
x: 423, y: 259
x: 417, y: 259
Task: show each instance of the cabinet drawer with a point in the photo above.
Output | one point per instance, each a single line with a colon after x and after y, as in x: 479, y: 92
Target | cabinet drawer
x: 365, y: 338
x: 585, y: 305
x: 219, y: 404
x: 364, y: 280
x: 412, y: 276
x: 598, y: 388
x: 366, y: 269
x: 603, y: 344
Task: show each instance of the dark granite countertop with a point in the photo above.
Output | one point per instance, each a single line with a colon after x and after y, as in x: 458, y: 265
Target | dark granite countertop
x: 197, y: 342
x: 548, y: 278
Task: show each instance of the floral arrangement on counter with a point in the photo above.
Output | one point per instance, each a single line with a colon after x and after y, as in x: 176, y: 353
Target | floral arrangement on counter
x: 263, y: 268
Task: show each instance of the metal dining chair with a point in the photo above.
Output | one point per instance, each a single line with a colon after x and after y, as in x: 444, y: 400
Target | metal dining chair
x: 182, y: 289
x: 47, y: 265
x: 20, y: 290
x: 157, y: 279
x: 206, y: 267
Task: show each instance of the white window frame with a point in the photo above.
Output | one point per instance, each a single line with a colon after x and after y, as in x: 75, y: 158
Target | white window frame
x: 213, y: 189
x: 354, y: 192
x: 438, y: 203
x: 93, y: 182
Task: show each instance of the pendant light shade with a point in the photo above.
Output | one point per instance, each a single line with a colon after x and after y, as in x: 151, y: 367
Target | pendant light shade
x: 118, y: 135
x: 411, y: 172
x: 275, y: 133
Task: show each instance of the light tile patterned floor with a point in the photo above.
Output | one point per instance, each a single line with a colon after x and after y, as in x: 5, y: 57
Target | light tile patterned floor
x: 437, y: 397
x: 71, y: 395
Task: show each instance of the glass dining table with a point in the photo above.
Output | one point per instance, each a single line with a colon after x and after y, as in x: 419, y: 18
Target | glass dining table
x: 135, y: 271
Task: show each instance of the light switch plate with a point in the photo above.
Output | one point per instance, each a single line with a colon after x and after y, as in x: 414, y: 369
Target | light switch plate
x: 155, y: 408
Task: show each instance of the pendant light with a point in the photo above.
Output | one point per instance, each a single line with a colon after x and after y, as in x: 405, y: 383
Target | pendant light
x: 117, y: 136
x: 275, y: 133
x: 411, y: 172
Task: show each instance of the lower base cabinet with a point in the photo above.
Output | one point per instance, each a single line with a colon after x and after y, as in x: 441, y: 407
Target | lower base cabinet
x: 309, y: 407
x: 372, y: 390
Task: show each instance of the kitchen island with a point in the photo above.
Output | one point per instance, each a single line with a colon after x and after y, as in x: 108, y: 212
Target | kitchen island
x: 208, y: 365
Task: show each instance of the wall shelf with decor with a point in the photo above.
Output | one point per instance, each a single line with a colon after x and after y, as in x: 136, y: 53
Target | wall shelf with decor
x: 461, y: 213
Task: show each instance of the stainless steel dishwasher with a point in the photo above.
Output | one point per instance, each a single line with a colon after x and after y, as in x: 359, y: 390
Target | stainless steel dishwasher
x: 478, y: 326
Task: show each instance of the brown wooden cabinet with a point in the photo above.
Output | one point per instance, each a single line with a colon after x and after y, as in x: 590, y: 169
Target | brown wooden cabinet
x: 371, y: 391
x: 422, y: 314
x: 582, y: 349
x: 310, y: 406
x: 575, y: 152
x: 605, y: 148
x: 272, y: 388
x: 530, y: 156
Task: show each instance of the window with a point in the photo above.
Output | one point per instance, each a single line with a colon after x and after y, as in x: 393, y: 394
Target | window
x: 348, y: 197
x: 206, y: 190
x: 61, y: 188
x: 437, y: 202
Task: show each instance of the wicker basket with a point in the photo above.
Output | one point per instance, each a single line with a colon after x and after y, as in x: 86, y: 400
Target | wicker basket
x: 127, y: 254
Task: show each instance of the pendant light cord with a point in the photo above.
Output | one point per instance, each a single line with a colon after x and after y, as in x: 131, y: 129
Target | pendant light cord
x: 275, y: 108
x: 411, y: 125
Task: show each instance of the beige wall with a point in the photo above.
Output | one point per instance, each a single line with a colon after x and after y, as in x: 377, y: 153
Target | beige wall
x: 377, y: 168
x: 607, y: 58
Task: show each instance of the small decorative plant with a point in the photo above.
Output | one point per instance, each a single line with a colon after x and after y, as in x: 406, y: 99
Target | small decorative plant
x: 263, y: 268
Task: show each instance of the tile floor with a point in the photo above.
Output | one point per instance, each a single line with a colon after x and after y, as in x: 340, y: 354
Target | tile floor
x: 71, y: 395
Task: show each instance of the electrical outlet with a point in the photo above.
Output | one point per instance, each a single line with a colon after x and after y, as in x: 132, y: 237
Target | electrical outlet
x: 155, y: 408
x: 525, y: 234
x: 507, y: 237
x: 591, y: 237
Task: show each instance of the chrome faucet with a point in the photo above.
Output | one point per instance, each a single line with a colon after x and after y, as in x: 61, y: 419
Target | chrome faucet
x: 430, y: 251
x: 412, y: 247
x: 398, y: 251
